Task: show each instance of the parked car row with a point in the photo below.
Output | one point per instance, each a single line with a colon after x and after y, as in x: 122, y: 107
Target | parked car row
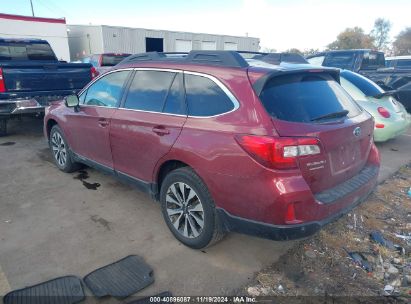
x: 372, y: 64
x: 224, y: 143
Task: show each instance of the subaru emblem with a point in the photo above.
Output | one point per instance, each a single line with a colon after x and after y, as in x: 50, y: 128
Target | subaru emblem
x: 357, y: 131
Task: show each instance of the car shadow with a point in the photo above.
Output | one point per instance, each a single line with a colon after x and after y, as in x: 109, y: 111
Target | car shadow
x: 31, y: 126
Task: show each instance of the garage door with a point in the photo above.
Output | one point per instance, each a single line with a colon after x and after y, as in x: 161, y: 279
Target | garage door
x: 184, y: 45
x: 209, y: 45
x: 230, y: 46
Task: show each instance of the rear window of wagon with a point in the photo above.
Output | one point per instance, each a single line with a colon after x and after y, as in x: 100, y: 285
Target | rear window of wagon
x: 306, y: 96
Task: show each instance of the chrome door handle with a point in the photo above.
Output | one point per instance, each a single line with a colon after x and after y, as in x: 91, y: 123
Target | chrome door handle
x: 161, y: 131
x: 103, y: 122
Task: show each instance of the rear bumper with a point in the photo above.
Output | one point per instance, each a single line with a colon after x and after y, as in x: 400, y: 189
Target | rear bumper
x: 291, y: 232
x: 29, y: 102
x: 392, y: 130
x: 21, y: 106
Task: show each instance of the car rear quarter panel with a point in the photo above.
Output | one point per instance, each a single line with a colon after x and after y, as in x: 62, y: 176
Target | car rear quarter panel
x: 208, y: 145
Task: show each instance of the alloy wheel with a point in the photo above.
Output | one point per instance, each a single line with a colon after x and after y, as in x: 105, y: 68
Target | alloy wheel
x: 185, y: 210
x: 59, y: 149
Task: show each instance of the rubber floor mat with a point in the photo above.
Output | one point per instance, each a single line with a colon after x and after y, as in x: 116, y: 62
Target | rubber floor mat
x: 163, y: 297
x: 64, y: 290
x: 120, y: 279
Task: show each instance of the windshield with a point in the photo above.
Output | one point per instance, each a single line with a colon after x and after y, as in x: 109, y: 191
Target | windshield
x: 112, y: 60
x: 306, y: 97
x: 26, y: 51
x: 366, y: 86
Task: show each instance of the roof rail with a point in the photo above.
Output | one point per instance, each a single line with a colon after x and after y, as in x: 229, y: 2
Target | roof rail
x: 252, y: 55
x: 144, y: 57
x: 217, y: 58
x: 236, y: 59
x: 274, y: 58
x: 277, y: 58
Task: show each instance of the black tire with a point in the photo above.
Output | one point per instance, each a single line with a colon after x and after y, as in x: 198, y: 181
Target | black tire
x: 212, y: 230
x: 3, y: 127
x: 68, y: 165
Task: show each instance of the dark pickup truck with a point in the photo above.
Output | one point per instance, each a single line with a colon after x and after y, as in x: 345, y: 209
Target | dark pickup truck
x: 31, y: 77
x: 372, y: 65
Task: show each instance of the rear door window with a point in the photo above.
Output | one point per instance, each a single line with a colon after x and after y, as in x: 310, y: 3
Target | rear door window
x: 106, y: 91
x: 148, y: 90
x: 306, y: 97
x: 205, y: 98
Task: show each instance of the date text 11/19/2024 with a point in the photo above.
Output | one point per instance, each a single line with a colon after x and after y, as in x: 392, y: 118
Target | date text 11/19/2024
x: 204, y: 299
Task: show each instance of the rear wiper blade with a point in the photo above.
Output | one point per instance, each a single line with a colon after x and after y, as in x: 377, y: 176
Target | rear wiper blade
x: 331, y: 115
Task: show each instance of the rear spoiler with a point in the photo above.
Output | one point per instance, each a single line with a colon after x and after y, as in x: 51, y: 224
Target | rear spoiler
x: 261, y: 82
x: 387, y: 93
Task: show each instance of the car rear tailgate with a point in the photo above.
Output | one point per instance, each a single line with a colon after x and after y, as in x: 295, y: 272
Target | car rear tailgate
x: 300, y: 104
x: 345, y: 146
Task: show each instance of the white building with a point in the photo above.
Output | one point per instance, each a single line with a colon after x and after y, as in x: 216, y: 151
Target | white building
x: 50, y: 29
x: 96, y: 39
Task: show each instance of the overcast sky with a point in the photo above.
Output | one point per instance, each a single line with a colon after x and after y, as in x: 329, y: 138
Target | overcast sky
x: 280, y: 24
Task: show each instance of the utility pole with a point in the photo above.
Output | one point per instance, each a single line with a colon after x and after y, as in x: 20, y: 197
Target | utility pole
x: 32, y: 9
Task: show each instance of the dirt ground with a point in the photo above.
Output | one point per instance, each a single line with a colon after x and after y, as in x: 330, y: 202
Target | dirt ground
x: 320, y: 269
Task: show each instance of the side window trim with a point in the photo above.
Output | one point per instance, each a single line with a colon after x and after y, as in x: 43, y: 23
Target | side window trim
x: 179, y: 75
x: 123, y: 90
x: 226, y: 91
x: 168, y: 92
x: 126, y: 89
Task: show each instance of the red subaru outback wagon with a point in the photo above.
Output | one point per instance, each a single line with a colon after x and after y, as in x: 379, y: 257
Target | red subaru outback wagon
x: 224, y: 143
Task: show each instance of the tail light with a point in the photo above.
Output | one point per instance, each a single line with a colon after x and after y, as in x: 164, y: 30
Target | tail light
x: 384, y: 112
x: 278, y: 152
x: 93, y: 72
x: 2, y: 83
x: 380, y: 126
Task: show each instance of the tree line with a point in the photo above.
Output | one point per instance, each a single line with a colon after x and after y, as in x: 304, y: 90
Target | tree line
x: 377, y: 39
